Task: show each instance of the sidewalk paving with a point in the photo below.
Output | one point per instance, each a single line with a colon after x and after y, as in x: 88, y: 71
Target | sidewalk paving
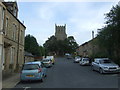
x: 10, y: 80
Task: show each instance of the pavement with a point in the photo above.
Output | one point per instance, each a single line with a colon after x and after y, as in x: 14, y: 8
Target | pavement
x: 10, y: 80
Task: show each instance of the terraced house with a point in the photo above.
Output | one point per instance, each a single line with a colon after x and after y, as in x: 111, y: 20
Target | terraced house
x: 12, y: 33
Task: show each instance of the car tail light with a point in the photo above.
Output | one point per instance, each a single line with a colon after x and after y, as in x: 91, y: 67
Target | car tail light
x: 39, y: 70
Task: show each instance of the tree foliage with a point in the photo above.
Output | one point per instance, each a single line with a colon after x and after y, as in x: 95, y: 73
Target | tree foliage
x: 32, y: 46
x: 109, y: 36
x: 61, y: 47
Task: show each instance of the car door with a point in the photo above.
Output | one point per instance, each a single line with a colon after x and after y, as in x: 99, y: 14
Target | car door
x: 81, y: 61
x: 97, y: 65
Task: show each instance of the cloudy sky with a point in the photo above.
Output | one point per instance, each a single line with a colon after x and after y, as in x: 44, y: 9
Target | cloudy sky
x: 81, y: 18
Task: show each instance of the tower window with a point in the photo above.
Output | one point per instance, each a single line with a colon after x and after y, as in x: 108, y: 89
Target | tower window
x: 15, y: 12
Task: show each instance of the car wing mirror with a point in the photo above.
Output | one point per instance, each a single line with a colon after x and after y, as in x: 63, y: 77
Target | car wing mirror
x: 97, y: 62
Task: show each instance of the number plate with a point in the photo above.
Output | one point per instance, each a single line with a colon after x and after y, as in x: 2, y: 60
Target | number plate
x: 30, y: 75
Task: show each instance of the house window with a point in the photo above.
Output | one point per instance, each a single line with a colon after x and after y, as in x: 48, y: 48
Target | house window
x: 15, y: 38
x: 6, y: 26
x: 14, y: 31
x: 15, y: 12
x: 20, y: 56
x: 21, y: 36
x: 2, y: 22
x: 12, y: 54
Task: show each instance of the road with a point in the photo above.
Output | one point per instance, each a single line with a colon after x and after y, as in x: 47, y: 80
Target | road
x: 66, y: 74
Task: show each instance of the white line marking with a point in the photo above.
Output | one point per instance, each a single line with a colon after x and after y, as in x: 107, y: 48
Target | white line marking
x: 25, y: 88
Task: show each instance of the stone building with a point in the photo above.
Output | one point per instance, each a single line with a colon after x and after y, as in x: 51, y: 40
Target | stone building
x: 60, y: 32
x: 28, y: 57
x: 88, y: 49
x: 91, y: 49
x: 12, y: 32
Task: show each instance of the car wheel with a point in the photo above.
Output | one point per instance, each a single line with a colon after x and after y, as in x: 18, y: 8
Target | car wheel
x: 101, y: 70
x: 41, y: 80
x: 92, y: 67
x: 21, y: 81
x: 45, y: 75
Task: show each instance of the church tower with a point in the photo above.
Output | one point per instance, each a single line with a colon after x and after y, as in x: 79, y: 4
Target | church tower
x: 60, y: 32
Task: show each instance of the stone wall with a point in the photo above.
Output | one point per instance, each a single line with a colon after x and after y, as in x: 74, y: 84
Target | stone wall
x: 89, y: 48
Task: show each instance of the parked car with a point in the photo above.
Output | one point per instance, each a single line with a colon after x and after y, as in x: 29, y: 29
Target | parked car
x: 52, y: 59
x: 47, y: 62
x: 77, y: 59
x: 66, y: 54
x: 33, y: 71
x: 69, y: 56
x: 84, y: 61
x: 105, y: 65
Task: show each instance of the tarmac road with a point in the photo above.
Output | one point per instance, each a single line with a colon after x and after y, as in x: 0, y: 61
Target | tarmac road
x: 66, y: 74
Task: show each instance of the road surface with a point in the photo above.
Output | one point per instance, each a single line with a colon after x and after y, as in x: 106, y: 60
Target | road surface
x: 66, y: 74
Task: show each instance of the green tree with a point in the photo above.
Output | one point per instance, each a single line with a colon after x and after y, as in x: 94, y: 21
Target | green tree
x: 61, y: 47
x: 72, y: 45
x: 31, y: 45
x: 109, y: 36
x: 42, y: 51
x: 51, y: 44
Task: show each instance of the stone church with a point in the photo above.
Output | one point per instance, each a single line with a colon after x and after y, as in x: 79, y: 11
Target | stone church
x: 60, y: 32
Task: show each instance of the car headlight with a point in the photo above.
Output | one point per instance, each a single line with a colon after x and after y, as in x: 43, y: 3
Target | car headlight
x: 118, y: 67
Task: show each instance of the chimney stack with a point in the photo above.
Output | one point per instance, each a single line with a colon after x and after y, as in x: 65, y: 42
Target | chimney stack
x: 92, y: 34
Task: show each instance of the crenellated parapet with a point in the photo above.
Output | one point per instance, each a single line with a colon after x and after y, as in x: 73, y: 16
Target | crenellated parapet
x: 60, y: 32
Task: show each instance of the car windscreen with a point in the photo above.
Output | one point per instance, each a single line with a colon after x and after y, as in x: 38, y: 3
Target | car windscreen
x: 46, y: 60
x: 85, y: 59
x: 77, y: 57
x: 105, y: 61
x: 30, y: 66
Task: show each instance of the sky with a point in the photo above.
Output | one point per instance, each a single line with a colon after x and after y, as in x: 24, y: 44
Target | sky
x: 81, y: 18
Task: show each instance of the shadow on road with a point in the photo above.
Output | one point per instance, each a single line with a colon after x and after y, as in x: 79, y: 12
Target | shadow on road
x: 29, y: 82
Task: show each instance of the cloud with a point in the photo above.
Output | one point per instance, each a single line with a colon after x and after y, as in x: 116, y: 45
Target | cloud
x: 64, y: 0
x: 81, y: 18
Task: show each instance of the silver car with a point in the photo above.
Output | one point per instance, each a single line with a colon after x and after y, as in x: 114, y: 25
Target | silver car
x: 77, y: 59
x: 105, y: 65
x: 84, y: 61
